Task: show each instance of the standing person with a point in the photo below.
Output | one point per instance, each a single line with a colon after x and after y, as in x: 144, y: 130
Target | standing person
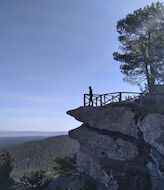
x: 90, y: 96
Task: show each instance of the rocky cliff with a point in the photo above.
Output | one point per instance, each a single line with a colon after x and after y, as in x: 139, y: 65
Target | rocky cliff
x: 121, y: 147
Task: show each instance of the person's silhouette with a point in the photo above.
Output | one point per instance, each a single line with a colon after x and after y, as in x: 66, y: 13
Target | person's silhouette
x: 90, y: 96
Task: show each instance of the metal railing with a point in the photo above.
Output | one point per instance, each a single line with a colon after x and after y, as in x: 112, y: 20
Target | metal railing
x: 105, y: 99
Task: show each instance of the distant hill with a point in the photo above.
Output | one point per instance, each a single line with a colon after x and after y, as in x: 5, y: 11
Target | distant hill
x: 5, y: 133
x: 11, y: 141
x: 39, y: 154
x: 9, y: 138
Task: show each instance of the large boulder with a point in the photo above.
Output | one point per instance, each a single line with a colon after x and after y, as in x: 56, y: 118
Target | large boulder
x: 104, y: 144
x: 152, y: 127
x: 157, y: 178
x: 73, y: 182
x: 90, y: 164
x: 102, y: 155
x: 117, y: 119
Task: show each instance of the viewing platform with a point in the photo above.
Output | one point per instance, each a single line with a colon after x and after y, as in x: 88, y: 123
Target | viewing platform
x: 106, y: 99
x: 154, y: 97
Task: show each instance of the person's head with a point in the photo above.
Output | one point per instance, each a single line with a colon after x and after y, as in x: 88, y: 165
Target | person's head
x: 90, y: 87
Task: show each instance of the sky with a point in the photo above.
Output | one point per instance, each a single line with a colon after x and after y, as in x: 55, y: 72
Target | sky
x: 50, y: 52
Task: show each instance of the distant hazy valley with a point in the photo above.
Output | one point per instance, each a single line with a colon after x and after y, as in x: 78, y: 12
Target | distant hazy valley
x: 10, y: 138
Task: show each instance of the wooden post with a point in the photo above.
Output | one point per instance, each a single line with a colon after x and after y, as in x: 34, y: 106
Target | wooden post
x: 112, y: 99
x: 120, y: 97
x: 101, y: 100
x: 84, y: 100
x: 96, y: 101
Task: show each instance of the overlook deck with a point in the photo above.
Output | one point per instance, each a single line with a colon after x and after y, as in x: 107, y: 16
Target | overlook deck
x: 105, y: 99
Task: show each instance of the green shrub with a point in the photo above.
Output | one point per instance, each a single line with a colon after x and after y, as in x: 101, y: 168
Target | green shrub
x: 35, y: 180
x: 66, y: 166
x: 5, y: 169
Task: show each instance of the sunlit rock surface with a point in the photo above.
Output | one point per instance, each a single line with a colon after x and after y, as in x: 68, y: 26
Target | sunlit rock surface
x: 152, y: 127
x: 120, y: 148
x: 117, y: 119
x: 98, y: 143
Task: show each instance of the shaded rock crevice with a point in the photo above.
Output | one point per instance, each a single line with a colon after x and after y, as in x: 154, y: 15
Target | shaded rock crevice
x: 113, y: 135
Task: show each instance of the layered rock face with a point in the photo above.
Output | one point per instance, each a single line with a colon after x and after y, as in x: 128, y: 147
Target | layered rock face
x: 119, y: 148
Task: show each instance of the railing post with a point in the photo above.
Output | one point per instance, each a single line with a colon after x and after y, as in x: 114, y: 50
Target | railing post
x: 120, y: 96
x: 113, y: 97
x: 84, y: 100
x: 104, y: 100
x: 101, y: 100
x: 96, y: 101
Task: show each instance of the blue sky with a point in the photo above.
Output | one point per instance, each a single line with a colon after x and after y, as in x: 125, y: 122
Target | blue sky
x: 50, y: 52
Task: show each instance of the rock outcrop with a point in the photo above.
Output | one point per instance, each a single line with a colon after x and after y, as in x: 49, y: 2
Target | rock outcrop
x: 72, y: 183
x: 120, y: 148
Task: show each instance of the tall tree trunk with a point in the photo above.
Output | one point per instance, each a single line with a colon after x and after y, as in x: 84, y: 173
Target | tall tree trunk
x: 152, y: 79
x: 152, y: 69
x: 147, y: 76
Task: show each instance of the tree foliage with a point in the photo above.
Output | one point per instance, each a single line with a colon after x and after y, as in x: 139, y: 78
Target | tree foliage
x: 35, y: 180
x: 141, y: 35
x: 66, y: 166
x: 5, y: 169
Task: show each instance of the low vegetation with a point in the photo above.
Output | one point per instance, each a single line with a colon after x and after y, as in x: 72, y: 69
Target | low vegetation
x: 36, y: 155
x: 35, y: 180
x: 6, y: 166
x: 38, y: 180
x: 66, y: 166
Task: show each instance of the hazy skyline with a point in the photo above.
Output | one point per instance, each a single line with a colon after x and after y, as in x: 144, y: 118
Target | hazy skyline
x: 50, y: 52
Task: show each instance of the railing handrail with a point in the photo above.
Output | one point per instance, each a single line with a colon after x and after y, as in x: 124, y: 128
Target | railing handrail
x: 104, y: 99
x: 115, y: 93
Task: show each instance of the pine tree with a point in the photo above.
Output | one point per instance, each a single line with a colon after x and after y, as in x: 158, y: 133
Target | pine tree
x: 141, y: 35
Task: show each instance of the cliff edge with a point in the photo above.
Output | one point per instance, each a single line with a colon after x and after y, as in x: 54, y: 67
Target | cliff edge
x: 121, y: 147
